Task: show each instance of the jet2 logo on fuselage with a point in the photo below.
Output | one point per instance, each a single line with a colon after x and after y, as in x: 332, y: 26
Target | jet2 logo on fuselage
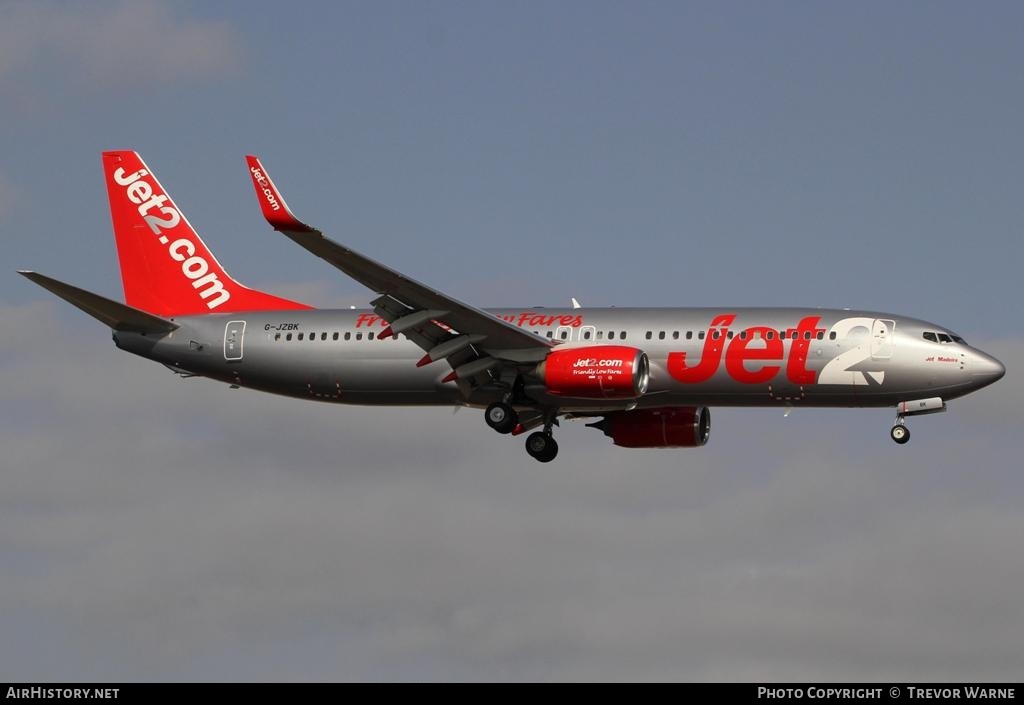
x: 770, y: 347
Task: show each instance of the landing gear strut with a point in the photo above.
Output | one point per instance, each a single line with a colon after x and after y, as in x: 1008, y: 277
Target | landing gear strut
x: 899, y: 433
x: 501, y: 417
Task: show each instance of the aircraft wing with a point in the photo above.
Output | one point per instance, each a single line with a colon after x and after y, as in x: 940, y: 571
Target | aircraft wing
x: 442, y: 325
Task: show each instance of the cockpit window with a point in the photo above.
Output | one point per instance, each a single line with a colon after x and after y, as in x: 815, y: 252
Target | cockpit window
x: 942, y: 338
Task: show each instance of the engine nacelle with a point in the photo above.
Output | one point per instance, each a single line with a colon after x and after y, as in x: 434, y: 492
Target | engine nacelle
x: 671, y: 427
x: 596, y: 372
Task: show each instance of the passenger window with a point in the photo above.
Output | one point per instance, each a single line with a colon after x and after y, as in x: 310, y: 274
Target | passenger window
x: 716, y: 334
x: 647, y: 335
x: 277, y: 336
x: 743, y: 335
x: 661, y: 335
x: 675, y: 335
x: 549, y: 334
x: 335, y: 336
x: 930, y: 337
x: 770, y: 335
x: 348, y: 335
x: 807, y: 335
x: 730, y: 335
x: 300, y: 336
x: 288, y: 337
x: 832, y: 335
x: 564, y: 335
x: 359, y: 336
x: 622, y: 335
x: 689, y: 335
x: 323, y: 336
x: 821, y: 335
x: 701, y: 335
x: 586, y: 335
x: 369, y: 336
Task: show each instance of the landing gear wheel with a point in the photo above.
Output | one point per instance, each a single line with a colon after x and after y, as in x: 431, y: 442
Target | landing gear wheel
x: 900, y: 433
x: 541, y: 446
x: 501, y: 417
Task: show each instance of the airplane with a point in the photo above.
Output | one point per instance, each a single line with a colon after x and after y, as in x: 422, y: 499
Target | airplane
x: 645, y: 377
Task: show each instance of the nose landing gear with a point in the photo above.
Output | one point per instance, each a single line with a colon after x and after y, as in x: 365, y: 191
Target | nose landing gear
x: 899, y: 432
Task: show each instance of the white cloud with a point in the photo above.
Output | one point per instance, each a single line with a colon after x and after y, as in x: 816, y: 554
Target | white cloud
x: 154, y: 528
x: 100, y: 45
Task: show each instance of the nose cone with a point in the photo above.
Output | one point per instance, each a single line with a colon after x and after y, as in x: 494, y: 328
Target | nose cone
x: 985, y: 369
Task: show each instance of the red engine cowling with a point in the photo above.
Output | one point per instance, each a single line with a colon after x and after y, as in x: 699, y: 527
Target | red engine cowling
x: 671, y: 427
x: 596, y: 372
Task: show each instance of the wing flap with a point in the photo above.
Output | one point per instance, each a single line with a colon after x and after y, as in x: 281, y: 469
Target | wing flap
x: 436, y: 340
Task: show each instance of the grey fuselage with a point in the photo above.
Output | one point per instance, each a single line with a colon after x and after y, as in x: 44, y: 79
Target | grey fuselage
x: 698, y: 356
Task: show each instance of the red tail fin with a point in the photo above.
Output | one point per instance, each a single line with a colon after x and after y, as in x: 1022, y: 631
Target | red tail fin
x: 165, y: 266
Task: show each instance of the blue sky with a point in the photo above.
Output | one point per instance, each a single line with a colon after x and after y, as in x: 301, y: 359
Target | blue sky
x: 627, y: 154
x: 789, y: 153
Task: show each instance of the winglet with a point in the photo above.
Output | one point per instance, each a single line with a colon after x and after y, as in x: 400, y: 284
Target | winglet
x: 275, y: 210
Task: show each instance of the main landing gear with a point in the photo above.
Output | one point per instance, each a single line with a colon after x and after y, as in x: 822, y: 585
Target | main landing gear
x: 541, y: 446
x: 501, y: 417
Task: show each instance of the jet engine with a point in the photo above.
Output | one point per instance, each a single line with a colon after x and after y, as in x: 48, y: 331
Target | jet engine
x: 596, y: 372
x: 670, y: 427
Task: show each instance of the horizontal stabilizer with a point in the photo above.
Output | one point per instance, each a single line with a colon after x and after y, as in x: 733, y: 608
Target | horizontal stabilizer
x: 114, y: 314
